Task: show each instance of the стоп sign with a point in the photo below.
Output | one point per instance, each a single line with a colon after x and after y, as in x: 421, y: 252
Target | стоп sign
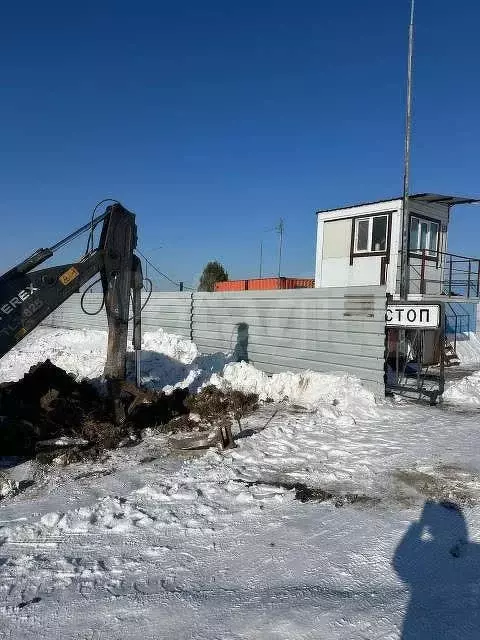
x: 414, y: 316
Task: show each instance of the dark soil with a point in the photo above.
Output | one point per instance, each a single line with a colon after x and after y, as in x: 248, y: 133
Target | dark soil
x: 304, y: 493
x: 48, y: 403
x: 310, y: 494
x: 213, y: 405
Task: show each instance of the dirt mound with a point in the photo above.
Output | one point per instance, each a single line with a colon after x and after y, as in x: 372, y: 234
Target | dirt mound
x: 50, y: 414
x: 48, y: 404
x: 213, y: 405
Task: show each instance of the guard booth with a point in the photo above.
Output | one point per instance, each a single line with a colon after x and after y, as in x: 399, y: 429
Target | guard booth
x: 361, y: 245
x: 415, y: 349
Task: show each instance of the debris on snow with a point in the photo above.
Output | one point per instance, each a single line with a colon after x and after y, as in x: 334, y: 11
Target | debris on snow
x: 212, y: 404
x: 171, y: 362
x: 443, y: 482
x: 8, y: 486
x: 250, y: 539
x: 304, y: 493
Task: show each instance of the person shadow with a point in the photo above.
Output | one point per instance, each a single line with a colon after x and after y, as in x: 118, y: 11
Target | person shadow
x: 442, y: 569
x: 240, y: 353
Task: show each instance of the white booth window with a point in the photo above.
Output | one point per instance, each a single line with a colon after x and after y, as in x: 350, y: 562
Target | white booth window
x: 424, y: 235
x: 371, y: 234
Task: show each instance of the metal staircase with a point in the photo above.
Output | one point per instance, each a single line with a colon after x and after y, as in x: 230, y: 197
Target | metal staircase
x: 451, y: 358
x: 456, y: 322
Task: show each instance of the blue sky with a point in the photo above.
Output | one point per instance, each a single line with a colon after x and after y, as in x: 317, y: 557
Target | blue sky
x: 213, y: 119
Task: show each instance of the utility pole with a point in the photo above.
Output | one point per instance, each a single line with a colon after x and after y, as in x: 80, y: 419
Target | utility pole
x: 261, y: 258
x: 404, y: 269
x: 280, y: 230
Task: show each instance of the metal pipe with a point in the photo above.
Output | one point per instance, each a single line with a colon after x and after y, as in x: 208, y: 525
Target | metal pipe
x: 280, y: 247
x: 138, y: 368
x: 421, y: 347
x: 422, y: 273
x: 78, y: 232
x: 397, y: 359
x: 406, y: 175
x: 454, y: 255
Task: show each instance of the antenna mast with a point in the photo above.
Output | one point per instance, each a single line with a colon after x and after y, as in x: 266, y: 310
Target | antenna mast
x: 404, y: 270
x: 280, y: 229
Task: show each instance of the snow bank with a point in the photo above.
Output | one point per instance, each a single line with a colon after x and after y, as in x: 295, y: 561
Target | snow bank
x: 78, y: 351
x: 170, y: 361
x: 465, y: 391
x: 308, y: 389
x: 468, y: 349
x: 171, y: 345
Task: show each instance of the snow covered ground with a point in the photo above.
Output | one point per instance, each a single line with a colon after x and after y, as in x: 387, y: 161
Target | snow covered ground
x: 150, y: 543
x: 468, y: 348
x: 465, y: 391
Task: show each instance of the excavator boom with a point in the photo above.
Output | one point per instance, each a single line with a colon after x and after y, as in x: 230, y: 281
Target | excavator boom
x: 29, y: 296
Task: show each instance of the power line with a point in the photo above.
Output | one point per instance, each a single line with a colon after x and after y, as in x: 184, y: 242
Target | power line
x: 164, y: 275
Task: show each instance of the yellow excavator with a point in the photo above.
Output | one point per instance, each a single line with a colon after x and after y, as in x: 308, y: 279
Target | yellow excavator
x: 28, y: 295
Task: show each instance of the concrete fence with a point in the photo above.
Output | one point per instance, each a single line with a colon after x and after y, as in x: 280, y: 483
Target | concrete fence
x: 327, y: 330
x: 171, y: 311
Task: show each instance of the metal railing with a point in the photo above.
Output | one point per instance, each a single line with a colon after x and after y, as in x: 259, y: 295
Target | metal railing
x: 456, y: 323
x: 455, y: 275
x: 462, y: 274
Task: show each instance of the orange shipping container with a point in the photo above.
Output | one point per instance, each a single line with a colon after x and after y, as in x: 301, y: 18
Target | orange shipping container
x: 263, y: 284
x: 230, y: 285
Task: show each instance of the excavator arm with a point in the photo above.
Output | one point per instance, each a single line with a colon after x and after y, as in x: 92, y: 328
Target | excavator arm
x: 28, y: 296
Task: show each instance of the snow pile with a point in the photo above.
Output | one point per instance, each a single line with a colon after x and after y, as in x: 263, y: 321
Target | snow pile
x: 78, y: 351
x: 168, y: 360
x: 171, y: 345
x: 468, y: 348
x: 465, y: 391
x: 308, y: 389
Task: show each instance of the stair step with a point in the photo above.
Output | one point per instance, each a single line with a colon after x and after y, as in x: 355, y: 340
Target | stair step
x: 452, y: 360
